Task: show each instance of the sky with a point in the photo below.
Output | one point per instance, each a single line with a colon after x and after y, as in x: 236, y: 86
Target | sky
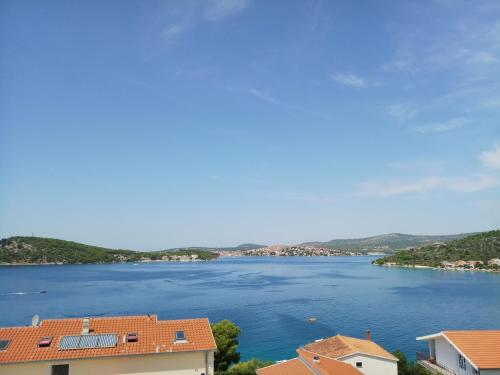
x: 156, y: 124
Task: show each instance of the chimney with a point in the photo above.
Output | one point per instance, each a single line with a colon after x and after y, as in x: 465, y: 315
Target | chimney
x: 316, y: 359
x: 369, y: 335
x: 86, y: 326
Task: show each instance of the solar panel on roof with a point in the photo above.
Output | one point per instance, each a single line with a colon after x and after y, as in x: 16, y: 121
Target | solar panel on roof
x: 107, y: 340
x: 69, y: 342
x: 89, y: 341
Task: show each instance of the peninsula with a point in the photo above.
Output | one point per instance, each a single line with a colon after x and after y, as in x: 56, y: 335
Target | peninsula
x: 476, y: 252
x: 38, y: 250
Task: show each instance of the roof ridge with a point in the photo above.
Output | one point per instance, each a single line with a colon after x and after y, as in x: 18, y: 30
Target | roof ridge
x: 346, y: 342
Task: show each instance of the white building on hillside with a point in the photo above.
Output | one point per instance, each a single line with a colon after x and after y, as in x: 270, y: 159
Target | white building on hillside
x: 462, y: 353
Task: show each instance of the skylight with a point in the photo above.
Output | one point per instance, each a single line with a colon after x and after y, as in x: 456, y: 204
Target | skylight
x: 180, y: 336
x: 4, y: 344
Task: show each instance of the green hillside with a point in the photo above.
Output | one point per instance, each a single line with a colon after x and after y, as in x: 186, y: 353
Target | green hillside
x: 387, y: 242
x: 37, y: 250
x: 482, y: 247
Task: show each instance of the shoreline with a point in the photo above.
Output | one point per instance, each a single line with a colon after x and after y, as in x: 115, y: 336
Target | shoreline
x: 418, y: 266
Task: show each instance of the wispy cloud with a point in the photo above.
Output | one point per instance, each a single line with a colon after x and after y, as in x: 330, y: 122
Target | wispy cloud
x: 216, y: 10
x: 491, y: 158
x: 191, y: 13
x: 281, y: 103
x: 349, y: 80
x: 460, y: 184
x: 440, y: 127
x: 173, y: 30
x: 402, y: 111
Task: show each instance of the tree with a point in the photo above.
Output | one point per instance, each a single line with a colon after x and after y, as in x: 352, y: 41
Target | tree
x: 248, y: 368
x: 406, y: 367
x: 226, y: 337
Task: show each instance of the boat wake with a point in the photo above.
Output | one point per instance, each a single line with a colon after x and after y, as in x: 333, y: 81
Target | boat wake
x: 22, y: 293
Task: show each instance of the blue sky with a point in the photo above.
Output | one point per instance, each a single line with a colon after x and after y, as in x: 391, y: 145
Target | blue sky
x: 154, y: 124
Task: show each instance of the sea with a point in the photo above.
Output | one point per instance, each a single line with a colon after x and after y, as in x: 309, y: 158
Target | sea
x: 272, y: 299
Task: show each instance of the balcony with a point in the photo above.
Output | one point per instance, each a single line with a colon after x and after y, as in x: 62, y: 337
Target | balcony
x: 432, y: 365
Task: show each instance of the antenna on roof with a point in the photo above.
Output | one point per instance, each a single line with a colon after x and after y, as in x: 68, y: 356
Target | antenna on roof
x: 35, y: 321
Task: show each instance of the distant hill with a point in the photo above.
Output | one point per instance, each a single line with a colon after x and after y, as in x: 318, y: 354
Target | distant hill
x: 481, y: 246
x: 242, y: 247
x: 386, y: 242
x: 37, y: 250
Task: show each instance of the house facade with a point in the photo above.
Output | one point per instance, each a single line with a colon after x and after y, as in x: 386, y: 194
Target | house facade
x: 462, y: 353
x: 338, y: 355
x: 109, y: 346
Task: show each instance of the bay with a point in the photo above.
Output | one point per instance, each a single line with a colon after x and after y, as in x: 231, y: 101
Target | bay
x: 270, y: 298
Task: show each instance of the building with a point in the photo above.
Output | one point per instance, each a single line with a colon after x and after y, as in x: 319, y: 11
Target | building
x: 494, y: 262
x: 462, y: 352
x: 338, y: 355
x: 109, y: 346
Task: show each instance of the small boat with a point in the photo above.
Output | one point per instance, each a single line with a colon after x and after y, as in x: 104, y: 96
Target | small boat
x: 312, y: 319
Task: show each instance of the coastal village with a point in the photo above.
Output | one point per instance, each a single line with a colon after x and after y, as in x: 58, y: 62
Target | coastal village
x: 285, y: 250
x: 147, y: 345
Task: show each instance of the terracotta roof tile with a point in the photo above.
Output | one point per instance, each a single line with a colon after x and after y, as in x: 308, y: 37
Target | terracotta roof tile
x: 292, y: 367
x: 155, y: 336
x: 328, y: 366
x: 340, y: 346
x: 481, y: 347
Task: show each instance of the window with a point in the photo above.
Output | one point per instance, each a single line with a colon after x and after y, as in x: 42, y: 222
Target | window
x: 359, y: 364
x: 60, y: 370
x: 462, y: 363
x: 4, y: 344
x: 180, y: 336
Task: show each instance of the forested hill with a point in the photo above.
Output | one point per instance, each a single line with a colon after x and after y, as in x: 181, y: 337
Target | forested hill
x: 478, y: 247
x: 37, y: 250
x: 386, y: 242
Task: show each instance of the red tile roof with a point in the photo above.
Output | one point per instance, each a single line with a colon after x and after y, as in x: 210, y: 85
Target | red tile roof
x: 327, y: 366
x: 340, y: 346
x: 306, y: 365
x: 481, y: 347
x: 155, y: 336
x: 292, y: 367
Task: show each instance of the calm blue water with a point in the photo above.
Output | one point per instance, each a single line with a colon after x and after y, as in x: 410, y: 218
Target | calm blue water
x: 270, y: 298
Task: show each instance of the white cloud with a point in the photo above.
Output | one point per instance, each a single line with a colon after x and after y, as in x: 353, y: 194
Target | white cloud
x: 268, y: 98
x: 188, y: 14
x: 460, y: 184
x: 440, y: 127
x: 275, y: 101
x: 401, y: 111
x: 174, y: 30
x: 349, y: 80
x: 491, y: 158
x: 482, y: 58
x: 216, y: 10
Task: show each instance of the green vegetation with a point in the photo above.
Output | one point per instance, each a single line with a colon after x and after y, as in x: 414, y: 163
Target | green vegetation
x: 37, y: 250
x: 406, y: 367
x: 227, y: 357
x: 385, y: 242
x: 480, y: 247
x: 248, y: 368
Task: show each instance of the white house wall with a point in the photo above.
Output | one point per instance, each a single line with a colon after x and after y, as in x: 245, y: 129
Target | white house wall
x: 372, y: 365
x: 447, y: 355
x: 192, y: 363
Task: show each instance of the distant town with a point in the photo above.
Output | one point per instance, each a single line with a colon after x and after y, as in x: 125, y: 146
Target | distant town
x: 285, y: 250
